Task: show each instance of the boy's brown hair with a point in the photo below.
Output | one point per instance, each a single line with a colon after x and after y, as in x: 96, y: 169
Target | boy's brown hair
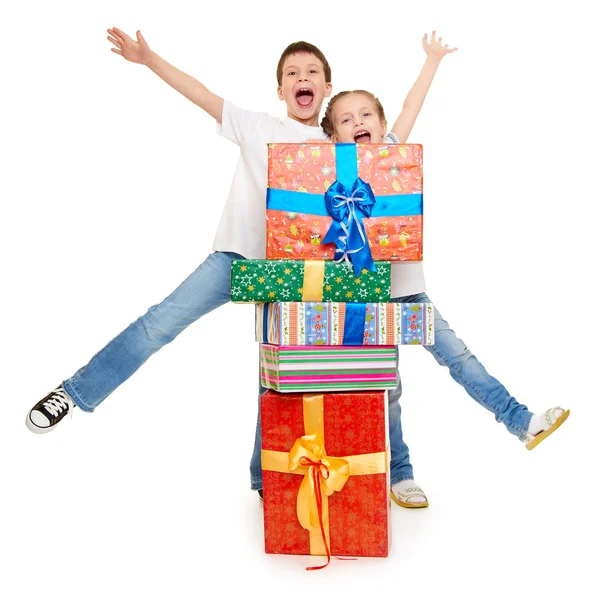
x: 327, y: 121
x: 303, y: 48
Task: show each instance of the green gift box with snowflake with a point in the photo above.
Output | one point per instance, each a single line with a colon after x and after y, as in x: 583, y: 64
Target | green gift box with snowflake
x: 307, y: 281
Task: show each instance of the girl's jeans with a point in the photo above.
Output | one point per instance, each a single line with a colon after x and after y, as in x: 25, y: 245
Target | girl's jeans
x: 209, y: 287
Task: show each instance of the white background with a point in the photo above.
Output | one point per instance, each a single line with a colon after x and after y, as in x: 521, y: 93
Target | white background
x: 112, y: 186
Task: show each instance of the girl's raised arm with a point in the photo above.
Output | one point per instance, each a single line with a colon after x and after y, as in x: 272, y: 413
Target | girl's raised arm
x: 415, y: 98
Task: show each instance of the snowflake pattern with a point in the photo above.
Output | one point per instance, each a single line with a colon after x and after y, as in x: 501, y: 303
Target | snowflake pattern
x: 270, y: 280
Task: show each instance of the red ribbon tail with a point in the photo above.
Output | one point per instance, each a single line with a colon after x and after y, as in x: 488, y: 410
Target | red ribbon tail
x: 318, y: 494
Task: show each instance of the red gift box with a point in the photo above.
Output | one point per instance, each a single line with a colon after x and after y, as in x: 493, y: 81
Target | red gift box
x: 299, y: 175
x: 346, y: 433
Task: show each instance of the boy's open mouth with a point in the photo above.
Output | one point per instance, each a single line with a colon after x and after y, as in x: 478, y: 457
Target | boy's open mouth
x: 362, y: 137
x: 304, y: 97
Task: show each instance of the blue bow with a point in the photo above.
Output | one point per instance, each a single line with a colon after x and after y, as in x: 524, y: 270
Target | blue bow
x: 347, y: 207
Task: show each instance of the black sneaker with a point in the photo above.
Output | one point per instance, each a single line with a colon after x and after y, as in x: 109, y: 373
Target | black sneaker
x: 260, y: 493
x: 47, y: 413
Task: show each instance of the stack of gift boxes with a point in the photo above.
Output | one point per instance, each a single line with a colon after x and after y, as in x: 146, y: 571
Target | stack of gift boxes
x: 337, y: 217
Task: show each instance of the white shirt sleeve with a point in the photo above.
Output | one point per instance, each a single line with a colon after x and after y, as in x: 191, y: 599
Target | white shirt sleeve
x: 238, y: 124
x: 391, y: 138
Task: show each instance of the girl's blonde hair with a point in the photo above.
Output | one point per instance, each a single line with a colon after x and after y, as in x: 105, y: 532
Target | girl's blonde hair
x: 327, y: 122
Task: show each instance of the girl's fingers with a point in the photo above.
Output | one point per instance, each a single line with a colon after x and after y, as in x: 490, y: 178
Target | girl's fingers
x: 433, y: 36
x: 114, y: 41
x: 117, y: 51
x: 439, y: 41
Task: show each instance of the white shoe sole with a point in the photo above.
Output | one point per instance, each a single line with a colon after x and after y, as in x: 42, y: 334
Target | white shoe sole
x: 35, y: 428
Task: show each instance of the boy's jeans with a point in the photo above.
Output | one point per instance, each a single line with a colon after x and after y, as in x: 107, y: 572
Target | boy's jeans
x: 209, y: 287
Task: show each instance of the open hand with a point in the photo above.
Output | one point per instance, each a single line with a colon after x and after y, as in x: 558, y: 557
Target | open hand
x: 136, y: 52
x: 434, y: 47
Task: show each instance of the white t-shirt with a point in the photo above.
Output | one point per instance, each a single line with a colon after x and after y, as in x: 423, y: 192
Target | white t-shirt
x: 242, y: 226
x: 243, y: 222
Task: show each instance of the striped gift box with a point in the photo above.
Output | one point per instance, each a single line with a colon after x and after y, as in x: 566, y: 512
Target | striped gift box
x: 327, y: 368
x: 344, y: 323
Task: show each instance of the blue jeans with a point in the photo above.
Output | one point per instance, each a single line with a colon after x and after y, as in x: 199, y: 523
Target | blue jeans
x: 204, y: 290
x: 209, y: 287
x: 451, y: 352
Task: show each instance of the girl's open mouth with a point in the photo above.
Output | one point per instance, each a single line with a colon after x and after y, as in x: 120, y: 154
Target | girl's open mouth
x: 362, y: 137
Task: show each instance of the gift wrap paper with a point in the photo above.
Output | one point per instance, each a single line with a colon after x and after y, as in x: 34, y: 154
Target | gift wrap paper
x: 287, y: 280
x: 348, y: 433
x: 342, y: 323
x: 327, y: 368
x: 394, y: 230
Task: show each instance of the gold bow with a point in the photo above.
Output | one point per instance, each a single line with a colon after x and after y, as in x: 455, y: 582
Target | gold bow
x: 331, y: 473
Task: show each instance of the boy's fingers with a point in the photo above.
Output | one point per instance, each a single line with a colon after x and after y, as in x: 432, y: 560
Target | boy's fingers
x: 439, y: 40
x: 121, y: 34
x: 117, y: 37
x: 114, y: 41
x: 117, y: 51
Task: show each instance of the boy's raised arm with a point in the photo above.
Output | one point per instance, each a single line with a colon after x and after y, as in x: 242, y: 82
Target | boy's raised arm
x: 139, y: 52
x: 415, y: 98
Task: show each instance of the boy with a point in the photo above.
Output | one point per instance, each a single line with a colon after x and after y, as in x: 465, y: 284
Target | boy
x: 303, y: 85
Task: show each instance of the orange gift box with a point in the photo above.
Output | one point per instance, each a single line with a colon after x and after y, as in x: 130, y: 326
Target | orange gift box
x: 298, y: 219
x: 331, y: 448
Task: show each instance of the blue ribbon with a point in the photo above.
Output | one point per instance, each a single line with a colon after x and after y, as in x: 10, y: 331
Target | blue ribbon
x: 347, y: 207
x: 354, y: 325
x: 348, y: 200
x: 400, y: 205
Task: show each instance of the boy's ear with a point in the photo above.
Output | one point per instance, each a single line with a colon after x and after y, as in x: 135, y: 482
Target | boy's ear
x: 328, y: 91
x: 280, y: 93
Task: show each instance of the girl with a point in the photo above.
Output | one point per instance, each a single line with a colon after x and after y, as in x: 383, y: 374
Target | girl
x: 358, y: 117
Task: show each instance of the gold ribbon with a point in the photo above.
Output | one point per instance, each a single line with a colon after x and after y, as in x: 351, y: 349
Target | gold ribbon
x: 308, y: 457
x: 313, y: 280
